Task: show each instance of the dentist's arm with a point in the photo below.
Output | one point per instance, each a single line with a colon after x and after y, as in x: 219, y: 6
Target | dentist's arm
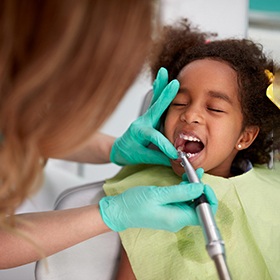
x: 40, y: 234
x: 96, y: 150
x: 102, y: 148
x: 140, y: 207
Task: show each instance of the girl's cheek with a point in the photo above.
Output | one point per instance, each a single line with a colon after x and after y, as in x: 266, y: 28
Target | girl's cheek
x: 167, y: 129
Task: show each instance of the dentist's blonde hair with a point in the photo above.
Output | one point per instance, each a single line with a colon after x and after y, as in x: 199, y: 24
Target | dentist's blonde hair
x: 64, y: 66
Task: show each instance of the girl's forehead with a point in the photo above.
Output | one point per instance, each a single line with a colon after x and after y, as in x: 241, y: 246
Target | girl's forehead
x: 208, y: 75
x: 209, y: 68
x: 208, y: 64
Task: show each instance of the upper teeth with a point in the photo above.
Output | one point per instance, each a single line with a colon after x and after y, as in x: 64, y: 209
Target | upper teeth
x: 189, y: 138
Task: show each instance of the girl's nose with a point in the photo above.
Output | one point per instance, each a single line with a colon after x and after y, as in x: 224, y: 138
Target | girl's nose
x: 192, y: 115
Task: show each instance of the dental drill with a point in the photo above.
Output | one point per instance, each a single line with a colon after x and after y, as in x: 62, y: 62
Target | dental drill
x: 214, y: 244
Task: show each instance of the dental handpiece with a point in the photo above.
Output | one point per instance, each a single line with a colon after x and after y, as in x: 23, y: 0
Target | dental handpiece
x: 214, y: 244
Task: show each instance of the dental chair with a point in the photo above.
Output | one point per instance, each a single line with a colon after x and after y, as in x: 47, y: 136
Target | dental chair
x: 93, y: 259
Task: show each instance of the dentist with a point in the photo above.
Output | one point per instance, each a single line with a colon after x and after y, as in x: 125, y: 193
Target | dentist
x: 64, y: 66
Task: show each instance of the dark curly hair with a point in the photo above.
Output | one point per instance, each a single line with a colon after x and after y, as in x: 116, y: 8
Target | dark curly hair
x: 181, y: 44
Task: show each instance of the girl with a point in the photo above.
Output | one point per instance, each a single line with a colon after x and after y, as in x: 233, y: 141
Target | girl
x: 223, y: 119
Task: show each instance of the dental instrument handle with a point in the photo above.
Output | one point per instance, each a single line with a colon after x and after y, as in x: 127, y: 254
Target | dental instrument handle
x: 214, y: 243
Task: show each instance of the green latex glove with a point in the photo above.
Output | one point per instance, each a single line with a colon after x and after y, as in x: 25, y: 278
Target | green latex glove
x: 132, y: 146
x: 159, y: 84
x: 154, y: 207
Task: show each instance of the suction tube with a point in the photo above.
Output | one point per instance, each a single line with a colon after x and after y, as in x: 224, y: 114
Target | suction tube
x: 214, y: 244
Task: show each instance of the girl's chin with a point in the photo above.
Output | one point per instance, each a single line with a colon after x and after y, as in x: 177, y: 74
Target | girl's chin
x: 177, y: 168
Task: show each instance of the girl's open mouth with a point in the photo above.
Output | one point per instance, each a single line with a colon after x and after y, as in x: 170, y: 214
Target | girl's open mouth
x: 189, y: 144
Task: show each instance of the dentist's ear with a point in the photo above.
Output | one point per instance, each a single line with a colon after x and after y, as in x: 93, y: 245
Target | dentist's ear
x: 247, y: 137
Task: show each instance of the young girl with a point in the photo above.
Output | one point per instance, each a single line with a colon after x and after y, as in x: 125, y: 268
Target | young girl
x: 222, y: 117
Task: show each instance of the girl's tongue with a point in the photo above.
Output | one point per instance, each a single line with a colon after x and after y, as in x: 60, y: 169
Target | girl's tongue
x: 192, y: 147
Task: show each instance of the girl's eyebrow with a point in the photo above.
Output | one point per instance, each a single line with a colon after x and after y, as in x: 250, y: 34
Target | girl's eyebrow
x: 211, y: 93
x: 220, y: 95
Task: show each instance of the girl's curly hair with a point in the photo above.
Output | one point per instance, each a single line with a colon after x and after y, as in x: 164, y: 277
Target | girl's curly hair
x: 180, y: 45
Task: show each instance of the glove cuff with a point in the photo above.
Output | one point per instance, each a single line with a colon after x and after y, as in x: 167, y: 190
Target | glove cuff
x: 104, y: 205
x: 113, y: 155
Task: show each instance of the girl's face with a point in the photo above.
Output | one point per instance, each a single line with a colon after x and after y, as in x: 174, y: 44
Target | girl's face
x: 205, y: 118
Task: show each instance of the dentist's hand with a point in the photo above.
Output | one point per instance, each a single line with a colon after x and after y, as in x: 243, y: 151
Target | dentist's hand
x: 153, y: 207
x: 132, y: 146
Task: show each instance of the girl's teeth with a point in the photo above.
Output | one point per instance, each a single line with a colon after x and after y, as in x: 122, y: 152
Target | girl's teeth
x: 191, y: 155
x: 189, y: 138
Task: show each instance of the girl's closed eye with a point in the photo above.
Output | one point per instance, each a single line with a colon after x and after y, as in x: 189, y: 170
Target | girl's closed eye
x: 179, y: 104
x: 213, y: 109
x: 180, y: 100
x: 217, y: 106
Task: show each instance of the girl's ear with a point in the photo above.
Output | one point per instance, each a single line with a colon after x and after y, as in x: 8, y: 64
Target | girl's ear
x: 247, y: 137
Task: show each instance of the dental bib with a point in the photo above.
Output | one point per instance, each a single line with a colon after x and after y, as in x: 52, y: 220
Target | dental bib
x: 247, y: 217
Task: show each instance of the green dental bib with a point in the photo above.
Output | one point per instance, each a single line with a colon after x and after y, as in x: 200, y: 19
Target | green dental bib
x: 248, y: 218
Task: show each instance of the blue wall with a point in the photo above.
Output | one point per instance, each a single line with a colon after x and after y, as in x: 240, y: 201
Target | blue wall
x: 265, y: 6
